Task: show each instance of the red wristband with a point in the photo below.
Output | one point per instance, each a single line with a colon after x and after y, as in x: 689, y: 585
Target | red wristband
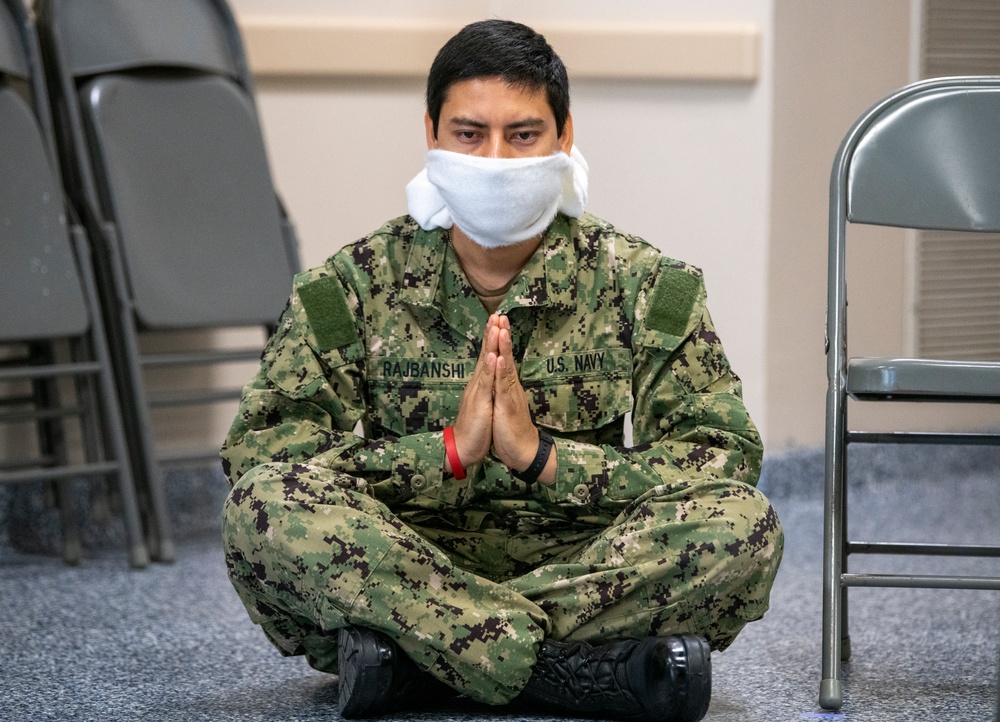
x: 452, y: 450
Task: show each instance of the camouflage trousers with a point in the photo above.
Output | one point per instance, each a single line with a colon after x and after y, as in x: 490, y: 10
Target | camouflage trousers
x: 309, y: 555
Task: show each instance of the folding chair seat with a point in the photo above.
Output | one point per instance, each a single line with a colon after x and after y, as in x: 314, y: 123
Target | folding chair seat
x: 55, y: 369
x: 163, y: 147
x: 927, y: 157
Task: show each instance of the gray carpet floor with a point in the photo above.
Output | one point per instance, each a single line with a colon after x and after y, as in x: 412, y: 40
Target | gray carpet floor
x: 172, y: 642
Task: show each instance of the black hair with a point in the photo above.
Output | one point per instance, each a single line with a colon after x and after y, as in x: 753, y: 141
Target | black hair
x: 504, y: 49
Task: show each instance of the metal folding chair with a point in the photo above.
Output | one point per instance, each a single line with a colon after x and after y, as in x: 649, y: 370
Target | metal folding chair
x: 165, y: 156
x: 55, y: 369
x: 927, y: 157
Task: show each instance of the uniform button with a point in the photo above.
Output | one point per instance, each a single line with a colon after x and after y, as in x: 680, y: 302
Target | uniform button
x: 581, y: 492
x: 418, y: 482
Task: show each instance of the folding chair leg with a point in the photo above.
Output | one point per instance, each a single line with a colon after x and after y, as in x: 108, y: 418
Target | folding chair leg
x: 52, y: 444
x: 845, y: 633
x: 145, y: 467
x: 138, y: 551
x: 109, y: 411
x: 831, y: 694
x: 135, y: 410
x: 72, y: 544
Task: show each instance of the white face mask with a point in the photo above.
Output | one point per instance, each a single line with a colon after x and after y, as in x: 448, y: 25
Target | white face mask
x: 497, y: 201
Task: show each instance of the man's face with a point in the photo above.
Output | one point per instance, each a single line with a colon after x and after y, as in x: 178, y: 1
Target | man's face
x: 490, y: 118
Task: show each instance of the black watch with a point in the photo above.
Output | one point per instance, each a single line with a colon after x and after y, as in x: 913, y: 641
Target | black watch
x: 530, y: 475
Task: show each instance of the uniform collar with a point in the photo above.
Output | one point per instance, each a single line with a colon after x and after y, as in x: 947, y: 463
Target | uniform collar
x: 434, y: 278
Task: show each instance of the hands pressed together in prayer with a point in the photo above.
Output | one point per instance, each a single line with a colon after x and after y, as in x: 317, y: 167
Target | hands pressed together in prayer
x: 494, y: 409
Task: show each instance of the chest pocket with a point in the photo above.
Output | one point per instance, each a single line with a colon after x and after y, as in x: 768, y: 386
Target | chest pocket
x: 414, y: 395
x: 579, y: 391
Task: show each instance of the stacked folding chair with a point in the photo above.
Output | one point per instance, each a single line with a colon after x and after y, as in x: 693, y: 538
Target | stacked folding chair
x: 164, y: 158
x: 59, y: 410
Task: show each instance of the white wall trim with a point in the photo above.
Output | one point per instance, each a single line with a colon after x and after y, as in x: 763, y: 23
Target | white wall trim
x: 333, y: 47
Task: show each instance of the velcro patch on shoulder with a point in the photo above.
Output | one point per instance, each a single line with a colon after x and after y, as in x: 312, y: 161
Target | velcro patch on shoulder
x: 674, y: 296
x: 329, y: 316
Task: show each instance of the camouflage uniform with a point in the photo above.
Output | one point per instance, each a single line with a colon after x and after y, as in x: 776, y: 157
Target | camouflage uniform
x: 325, y: 527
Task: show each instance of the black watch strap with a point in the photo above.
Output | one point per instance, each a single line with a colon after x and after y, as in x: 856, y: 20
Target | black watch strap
x: 530, y: 475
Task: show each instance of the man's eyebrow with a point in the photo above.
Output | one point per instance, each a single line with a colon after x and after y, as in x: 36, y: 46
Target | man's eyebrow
x: 466, y: 122
x: 527, y: 123
x: 516, y: 125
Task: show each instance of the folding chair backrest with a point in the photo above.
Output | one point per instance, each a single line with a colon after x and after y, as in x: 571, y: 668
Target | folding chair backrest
x: 175, y: 157
x: 188, y: 185
x: 43, y: 297
x: 105, y: 36
x: 929, y: 159
x: 925, y: 157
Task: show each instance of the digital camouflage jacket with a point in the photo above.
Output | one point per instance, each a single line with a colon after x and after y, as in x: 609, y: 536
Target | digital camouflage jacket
x: 387, y: 332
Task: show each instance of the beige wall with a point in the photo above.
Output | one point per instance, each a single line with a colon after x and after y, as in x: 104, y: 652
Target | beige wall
x: 681, y: 161
x: 720, y: 156
x: 671, y: 106
x: 731, y: 175
x: 832, y: 61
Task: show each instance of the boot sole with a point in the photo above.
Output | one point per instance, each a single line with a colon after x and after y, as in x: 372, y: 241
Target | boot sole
x: 698, y: 678
x: 365, y: 673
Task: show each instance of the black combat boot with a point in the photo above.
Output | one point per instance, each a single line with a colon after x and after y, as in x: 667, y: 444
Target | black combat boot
x: 376, y: 677
x: 656, y: 679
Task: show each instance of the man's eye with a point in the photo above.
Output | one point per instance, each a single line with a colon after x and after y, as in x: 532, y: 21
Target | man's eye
x: 525, y: 135
x: 467, y: 134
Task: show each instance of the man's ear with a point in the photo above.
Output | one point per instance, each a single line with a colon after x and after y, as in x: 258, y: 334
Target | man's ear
x: 566, y: 139
x: 429, y: 130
